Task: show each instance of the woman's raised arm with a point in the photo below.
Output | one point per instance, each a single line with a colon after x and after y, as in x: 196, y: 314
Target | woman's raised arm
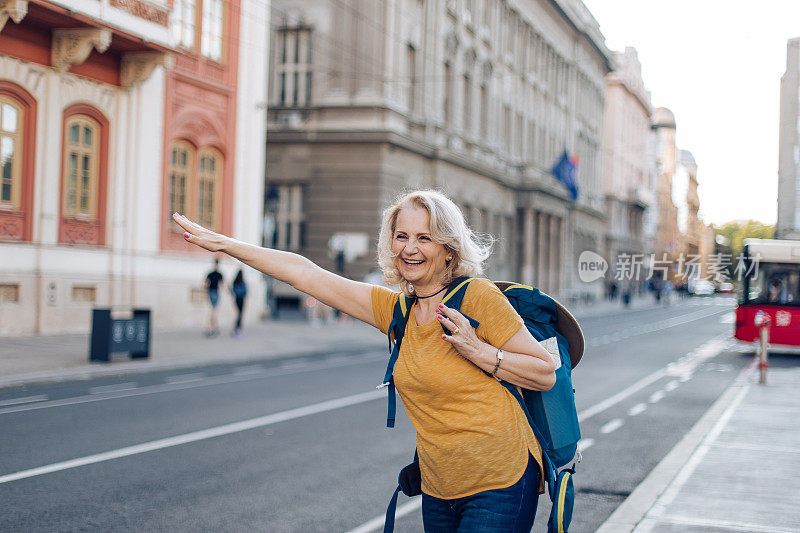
x: 351, y: 297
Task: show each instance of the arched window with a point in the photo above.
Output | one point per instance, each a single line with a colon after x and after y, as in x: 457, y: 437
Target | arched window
x: 12, y: 120
x: 17, y: 146
x: 84, y: 176
x: 81, y: 167
x: 209, y: 187
x: 182, y: 156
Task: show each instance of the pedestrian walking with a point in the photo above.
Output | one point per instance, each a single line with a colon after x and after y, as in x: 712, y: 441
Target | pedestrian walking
x: 213, y: 282
x: 481, y: 465
x: 239, y: 290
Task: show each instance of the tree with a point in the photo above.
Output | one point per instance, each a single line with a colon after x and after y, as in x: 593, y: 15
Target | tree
x: 734, y: 233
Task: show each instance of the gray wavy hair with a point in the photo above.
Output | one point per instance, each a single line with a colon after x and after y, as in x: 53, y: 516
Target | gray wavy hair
x: 448, y: 227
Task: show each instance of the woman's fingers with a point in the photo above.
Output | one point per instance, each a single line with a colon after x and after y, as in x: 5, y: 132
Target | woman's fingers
x: 454, y: 316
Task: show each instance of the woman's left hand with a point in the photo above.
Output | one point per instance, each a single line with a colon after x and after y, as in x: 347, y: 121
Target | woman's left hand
x: 462, y: 334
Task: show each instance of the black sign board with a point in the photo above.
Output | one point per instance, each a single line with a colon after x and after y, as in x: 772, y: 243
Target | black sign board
x: 112, y: 335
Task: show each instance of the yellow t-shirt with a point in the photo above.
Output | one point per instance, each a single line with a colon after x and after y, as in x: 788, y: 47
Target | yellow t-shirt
x: 472, y: 435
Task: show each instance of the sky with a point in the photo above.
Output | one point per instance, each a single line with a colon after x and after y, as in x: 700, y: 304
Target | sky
x: 717, y: 66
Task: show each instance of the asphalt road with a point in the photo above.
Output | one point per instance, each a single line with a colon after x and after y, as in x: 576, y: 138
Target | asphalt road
x: 300, y: 445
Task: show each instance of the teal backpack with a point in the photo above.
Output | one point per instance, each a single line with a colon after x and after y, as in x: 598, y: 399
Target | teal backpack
x: 551, y: 414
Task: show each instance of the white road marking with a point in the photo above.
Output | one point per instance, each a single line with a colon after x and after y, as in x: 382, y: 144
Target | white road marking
x: 289, y: 365
x: 377, y: 523
x: 171, y: 387
x: 185, y: 378
x: 112, y: 388
x: 637, y: 409
x: 195, y: 436
x: 705, y: 352
x: 584, y: 444
x: 730, y: 318
x: 248, y: 370
x: 612, y: 426
x: 657, y: 396
x: 24, y: 399
x: 671, y: 386
x: 621, y: 395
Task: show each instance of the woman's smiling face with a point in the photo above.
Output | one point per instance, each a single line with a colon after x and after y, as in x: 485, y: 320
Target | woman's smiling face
x: 420, y: 260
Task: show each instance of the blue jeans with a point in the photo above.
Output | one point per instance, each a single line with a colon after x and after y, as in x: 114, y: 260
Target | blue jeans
x: 507, y: 510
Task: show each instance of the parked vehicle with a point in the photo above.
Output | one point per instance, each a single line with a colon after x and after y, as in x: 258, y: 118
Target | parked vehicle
x: 701, y: 287
x: 726, y: 287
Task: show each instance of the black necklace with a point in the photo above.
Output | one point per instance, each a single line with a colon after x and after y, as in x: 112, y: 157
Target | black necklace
x: 430, y: 295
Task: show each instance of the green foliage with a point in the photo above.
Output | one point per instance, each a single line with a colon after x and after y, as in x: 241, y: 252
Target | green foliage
x: 737, y: 231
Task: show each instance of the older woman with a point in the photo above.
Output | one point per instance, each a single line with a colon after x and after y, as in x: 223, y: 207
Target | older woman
x: 479, y: 460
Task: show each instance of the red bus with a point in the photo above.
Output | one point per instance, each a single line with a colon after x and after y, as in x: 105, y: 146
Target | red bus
x: 770, y: 285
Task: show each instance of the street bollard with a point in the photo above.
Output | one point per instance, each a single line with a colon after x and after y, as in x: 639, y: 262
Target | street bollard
x: 763, y: 321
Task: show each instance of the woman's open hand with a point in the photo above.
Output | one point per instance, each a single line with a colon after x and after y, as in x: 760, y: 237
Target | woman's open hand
x: 200, y: 236
x: 462, y: 334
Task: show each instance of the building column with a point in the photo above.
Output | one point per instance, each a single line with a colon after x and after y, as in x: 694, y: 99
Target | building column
x: 555, y: 243
x: 542, y: 252
x: 528, y: 240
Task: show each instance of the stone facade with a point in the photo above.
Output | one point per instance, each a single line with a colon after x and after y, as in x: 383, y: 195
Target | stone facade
x: 478, y: 99
x: 788, y: 226
x: 628, y: 177
x: 107, y: 67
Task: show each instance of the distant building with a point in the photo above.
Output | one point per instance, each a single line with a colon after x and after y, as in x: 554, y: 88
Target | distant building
x: 667, y: 245
x: 629, y: 183
x: 788, y: 226
x: 112, y: 115
x: 479, y: 99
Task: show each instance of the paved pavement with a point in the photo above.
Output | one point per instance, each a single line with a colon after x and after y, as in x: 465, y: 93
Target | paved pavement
x: 58, y: 357
x: 735, y: 470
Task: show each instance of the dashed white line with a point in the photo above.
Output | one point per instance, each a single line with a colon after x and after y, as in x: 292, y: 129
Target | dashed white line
x: 585, y: 444
x: 185, y: 378
x: 621, y: 395
x: 112, y: 388
x: 657, y: 396
x: 637, y: 409
x: 611, y: 426
x: 293, y: 364
x: 248, y: 370
x: 24, y: 399
x: 671, y: 386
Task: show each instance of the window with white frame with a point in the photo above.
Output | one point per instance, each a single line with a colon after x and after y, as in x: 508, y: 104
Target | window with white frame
x: 211, y: 37
x: 81, y: 164
x: 183, y: 20
x: 293, y: 73
x: 11, y: 121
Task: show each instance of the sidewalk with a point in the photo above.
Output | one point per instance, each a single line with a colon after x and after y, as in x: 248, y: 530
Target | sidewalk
x: 33, y: 359
x: 60, y: 357
x: 736, y: 470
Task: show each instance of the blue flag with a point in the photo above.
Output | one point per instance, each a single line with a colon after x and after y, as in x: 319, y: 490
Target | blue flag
x: 564, y: 171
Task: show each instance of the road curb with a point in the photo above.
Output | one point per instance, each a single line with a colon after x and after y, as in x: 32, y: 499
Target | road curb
x: 631, y: 512
x: 139, y: 367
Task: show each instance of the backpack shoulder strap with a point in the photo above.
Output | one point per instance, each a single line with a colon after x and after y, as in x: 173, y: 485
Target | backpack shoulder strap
x: 455, y: 297
x: 397, y: 329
